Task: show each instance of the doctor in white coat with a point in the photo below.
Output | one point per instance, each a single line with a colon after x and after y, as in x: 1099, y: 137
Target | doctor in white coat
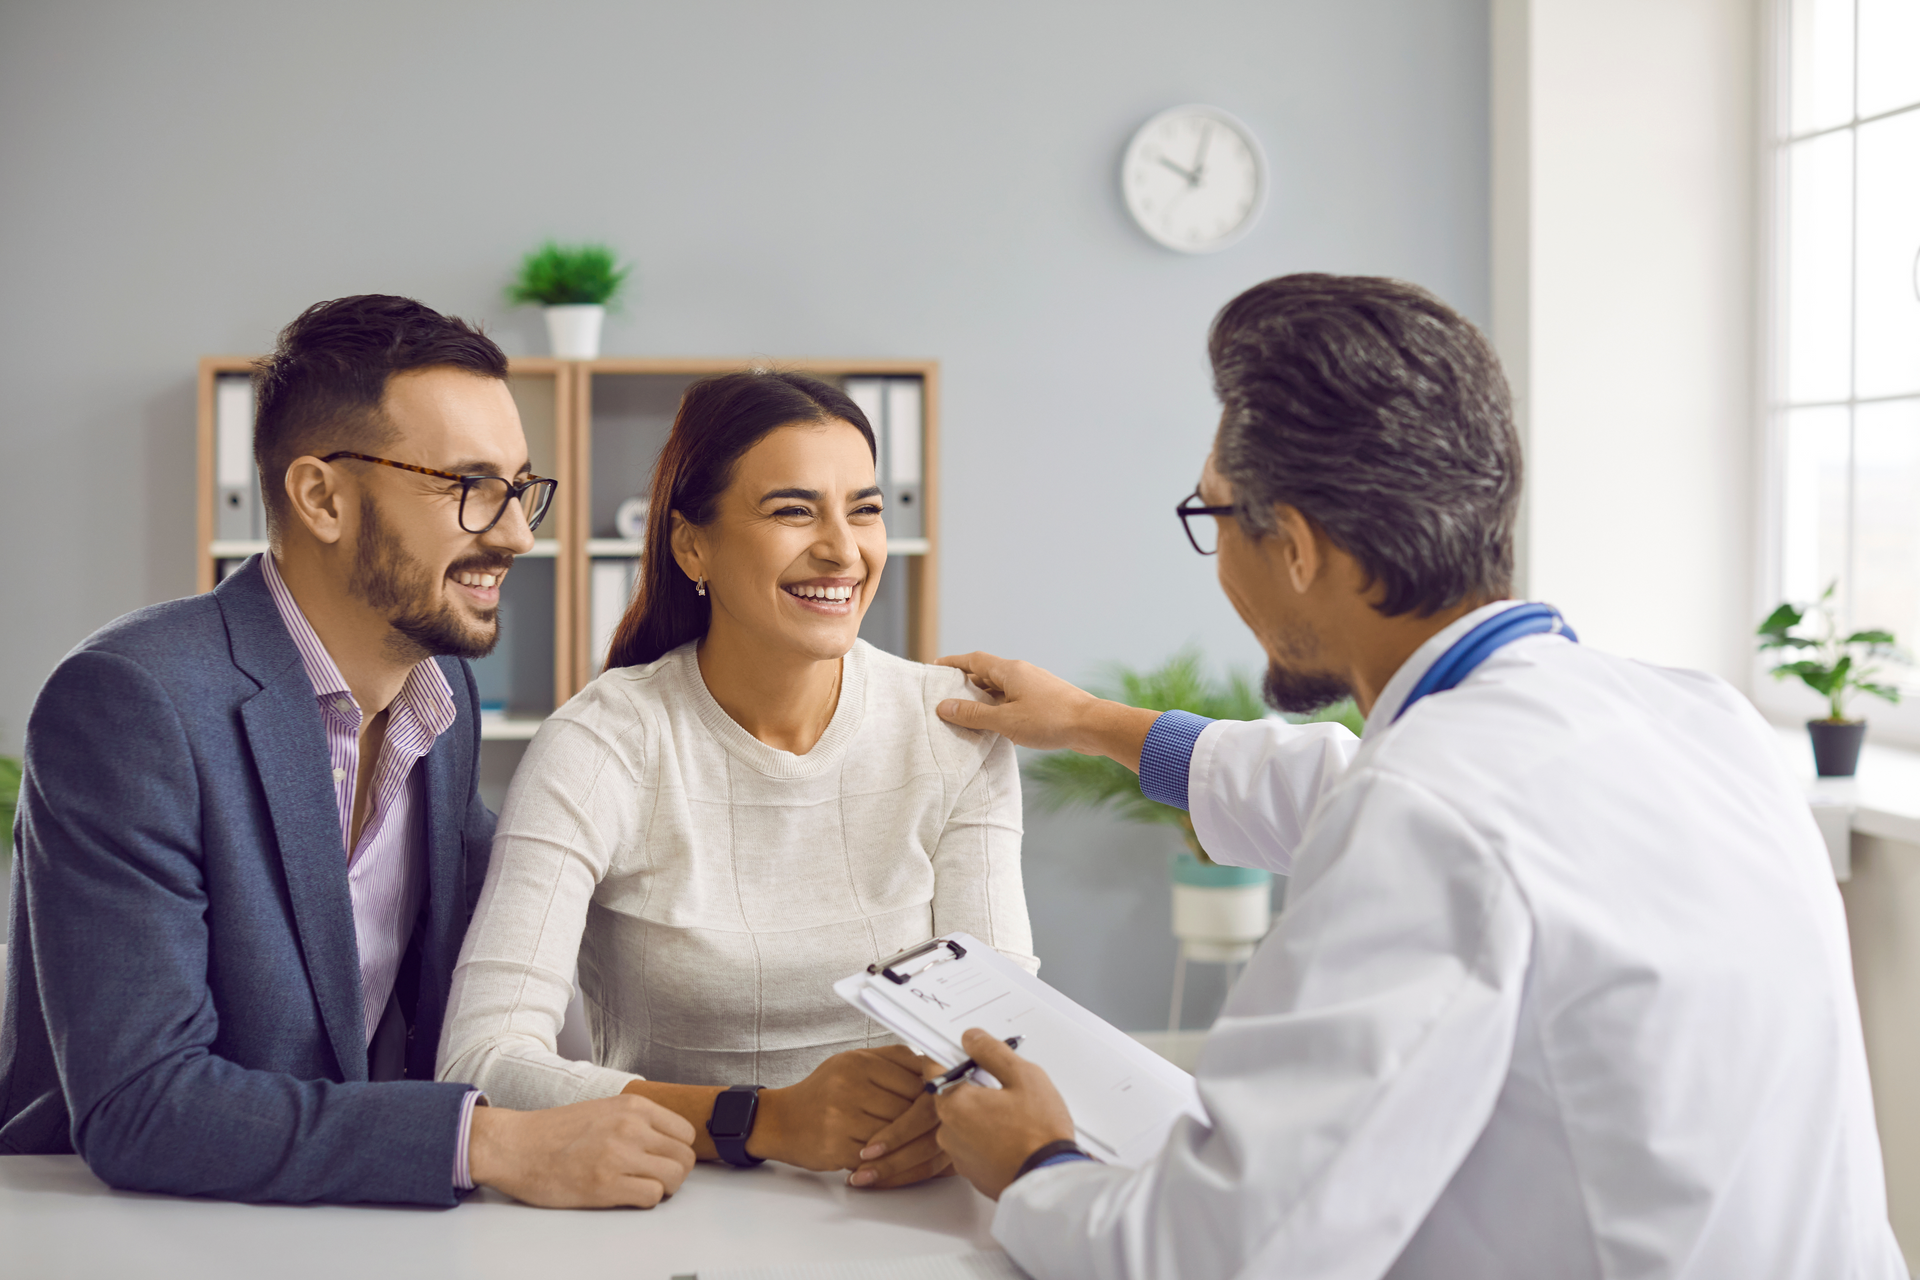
x: 1562, y: 985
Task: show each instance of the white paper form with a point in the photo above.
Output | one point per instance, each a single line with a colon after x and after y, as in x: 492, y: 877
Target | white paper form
x: 1124, y: 1097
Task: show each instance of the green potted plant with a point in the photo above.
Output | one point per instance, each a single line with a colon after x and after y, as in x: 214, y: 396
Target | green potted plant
x: 1219, y: 912
x: 576, y: 284
x: 10, y: 772
x: 1833, y: 666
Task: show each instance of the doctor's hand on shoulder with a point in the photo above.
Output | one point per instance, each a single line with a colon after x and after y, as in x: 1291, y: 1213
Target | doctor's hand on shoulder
x: 1032, y: 707
x: 990, y: 1133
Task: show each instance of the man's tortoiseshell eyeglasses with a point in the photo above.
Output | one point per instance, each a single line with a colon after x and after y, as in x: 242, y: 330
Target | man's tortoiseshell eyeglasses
x: 483, y: 499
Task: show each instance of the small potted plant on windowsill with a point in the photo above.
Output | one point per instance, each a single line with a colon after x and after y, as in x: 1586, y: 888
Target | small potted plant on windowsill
x: 576, y: 285
x: 1833, y: 666
x: 1219, y: 912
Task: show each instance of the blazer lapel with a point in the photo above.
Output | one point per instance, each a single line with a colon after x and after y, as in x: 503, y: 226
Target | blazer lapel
x: 289, y: 749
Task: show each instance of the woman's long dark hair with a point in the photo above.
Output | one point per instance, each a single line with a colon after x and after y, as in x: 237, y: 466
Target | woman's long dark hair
x: 720, y: 418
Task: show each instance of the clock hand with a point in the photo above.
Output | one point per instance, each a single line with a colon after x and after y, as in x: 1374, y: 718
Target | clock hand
x: 1200, y: 156
x: 1192, y: 178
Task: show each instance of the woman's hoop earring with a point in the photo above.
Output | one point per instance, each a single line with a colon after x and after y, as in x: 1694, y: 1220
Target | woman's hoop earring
x: 700, y: 586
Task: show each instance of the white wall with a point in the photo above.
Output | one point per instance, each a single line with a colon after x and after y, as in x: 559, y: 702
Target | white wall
x: 1624, y: 214
x: 1883, y: 904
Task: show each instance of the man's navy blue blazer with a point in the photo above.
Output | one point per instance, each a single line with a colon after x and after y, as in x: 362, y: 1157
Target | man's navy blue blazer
x: 183, y: 987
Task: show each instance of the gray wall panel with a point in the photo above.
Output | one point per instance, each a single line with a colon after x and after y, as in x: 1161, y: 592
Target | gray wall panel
x: 834, y: 178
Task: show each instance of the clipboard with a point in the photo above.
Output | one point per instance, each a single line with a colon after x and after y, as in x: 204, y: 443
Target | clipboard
x: 1124, y: 1097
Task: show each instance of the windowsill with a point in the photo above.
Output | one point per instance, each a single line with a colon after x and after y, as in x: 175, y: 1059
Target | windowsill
x: 1881, y: 799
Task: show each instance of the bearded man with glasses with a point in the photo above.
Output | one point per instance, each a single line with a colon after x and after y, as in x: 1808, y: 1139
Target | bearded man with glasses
x: 250, y: 837
x: 1561, y: 987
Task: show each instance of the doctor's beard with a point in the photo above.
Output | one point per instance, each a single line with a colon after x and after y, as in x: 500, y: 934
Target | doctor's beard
x: 1301, y: 692
x: 1292, y: 685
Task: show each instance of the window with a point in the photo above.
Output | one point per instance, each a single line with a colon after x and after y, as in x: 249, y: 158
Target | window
x: 1845, y: 386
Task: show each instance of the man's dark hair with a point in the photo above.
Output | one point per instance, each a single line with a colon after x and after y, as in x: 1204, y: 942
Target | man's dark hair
x: 1381, y: 415
x: 320, y: 390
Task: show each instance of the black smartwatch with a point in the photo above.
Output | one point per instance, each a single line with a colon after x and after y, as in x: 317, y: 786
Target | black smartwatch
x: 731, y: 1123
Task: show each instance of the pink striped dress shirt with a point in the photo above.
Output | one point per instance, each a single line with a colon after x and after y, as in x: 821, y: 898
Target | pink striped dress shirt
x: 386, y: 870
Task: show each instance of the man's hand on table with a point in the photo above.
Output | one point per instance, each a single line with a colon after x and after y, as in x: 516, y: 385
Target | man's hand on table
x: 991, y: 1132
x: 1035, y: 708
x: 600, y: 1154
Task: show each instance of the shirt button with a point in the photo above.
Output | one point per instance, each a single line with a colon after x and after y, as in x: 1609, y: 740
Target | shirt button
x: 339, y: 775
x: 342, y: 705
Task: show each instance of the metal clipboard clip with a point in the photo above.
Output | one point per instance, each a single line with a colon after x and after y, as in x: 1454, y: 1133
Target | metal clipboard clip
x: 885, y: 968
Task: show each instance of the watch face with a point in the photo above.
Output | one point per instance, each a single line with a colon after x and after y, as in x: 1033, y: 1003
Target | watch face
x: 1194, y: 179
x: 732, y: 1109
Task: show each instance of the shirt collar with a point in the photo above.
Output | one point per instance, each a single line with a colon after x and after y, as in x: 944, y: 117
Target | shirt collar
x: 425, y: 693
x: 1395, y: 694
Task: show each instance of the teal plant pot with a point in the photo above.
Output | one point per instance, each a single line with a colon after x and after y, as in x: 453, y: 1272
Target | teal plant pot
x: 1189, y: 870
x: 1220, y: 913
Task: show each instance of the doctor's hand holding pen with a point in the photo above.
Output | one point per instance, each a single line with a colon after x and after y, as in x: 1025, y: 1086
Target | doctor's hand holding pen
x: 1033, y: 707
x: 992, y: 1134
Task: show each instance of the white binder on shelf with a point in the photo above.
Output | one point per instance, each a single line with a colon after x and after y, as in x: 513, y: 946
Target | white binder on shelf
x: 871, y: 395
x: 895, y: 409
x: 239, y: 517
x: 905, y: 413
x: 1125, y: 1098
x: 610, y: 589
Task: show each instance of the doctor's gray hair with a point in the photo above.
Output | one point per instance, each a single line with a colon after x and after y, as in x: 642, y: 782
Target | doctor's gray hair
x: 1382, y: 416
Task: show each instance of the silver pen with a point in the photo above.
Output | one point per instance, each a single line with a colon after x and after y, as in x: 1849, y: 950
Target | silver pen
x: 946, y: 1080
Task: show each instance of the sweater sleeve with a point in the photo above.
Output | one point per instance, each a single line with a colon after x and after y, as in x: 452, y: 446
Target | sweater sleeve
x: 976, y: 864
x: 569, y: 809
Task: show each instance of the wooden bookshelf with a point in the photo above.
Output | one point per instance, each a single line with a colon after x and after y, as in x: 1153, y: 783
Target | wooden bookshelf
x: 556, y: 401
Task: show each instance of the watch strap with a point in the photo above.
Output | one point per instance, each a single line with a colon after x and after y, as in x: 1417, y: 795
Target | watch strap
x: 730, y: 1140
x: 1063, y: 1147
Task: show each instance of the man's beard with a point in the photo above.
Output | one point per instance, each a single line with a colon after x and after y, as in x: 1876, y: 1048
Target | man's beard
x: 1302, y: 692
x: 394, y: 583
x: 1298, y: 689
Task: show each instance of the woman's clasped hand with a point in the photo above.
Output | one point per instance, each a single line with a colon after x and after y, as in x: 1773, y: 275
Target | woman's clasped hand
x: 865, y: 1111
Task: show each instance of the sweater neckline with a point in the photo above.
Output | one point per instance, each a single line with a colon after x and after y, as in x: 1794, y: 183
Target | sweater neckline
x: 772, y: 761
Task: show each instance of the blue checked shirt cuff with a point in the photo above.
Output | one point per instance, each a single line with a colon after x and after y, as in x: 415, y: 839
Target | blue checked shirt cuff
x: 1167, y: 755
x: 1062, y: 1158
x: 462, y: 1170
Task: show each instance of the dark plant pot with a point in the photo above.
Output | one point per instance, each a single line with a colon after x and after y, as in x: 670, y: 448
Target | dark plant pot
x: 1836, y: 746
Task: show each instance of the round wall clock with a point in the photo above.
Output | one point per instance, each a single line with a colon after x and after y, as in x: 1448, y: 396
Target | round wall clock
x: 1194, y: 179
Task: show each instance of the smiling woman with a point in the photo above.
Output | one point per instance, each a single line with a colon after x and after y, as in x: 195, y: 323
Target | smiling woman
x: 749, y: 804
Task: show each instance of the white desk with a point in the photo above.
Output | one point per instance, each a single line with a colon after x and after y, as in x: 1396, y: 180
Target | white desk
x: 57, y: 1219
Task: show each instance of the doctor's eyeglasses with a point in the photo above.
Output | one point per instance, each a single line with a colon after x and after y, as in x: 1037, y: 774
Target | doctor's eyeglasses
x: 1203, y: 534
x: 483, y: 499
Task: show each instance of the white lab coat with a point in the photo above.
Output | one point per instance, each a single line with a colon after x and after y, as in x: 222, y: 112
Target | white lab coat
x: 1561, y: 990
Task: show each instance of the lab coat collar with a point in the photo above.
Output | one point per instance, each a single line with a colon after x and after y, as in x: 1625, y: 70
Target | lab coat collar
x: 1395, y: 694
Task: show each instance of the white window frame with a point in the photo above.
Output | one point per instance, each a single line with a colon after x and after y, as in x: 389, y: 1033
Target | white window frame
x: 1787, y: 700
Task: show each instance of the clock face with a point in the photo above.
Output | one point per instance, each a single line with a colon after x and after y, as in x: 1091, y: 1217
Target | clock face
x: 1194, y: 179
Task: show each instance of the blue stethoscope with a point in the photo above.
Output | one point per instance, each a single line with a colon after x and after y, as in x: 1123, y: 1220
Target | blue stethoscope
x: 1475, y: 647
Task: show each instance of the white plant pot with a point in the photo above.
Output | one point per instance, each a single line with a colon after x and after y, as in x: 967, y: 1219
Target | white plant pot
x: 1221, y: 925
x: 574, y: 331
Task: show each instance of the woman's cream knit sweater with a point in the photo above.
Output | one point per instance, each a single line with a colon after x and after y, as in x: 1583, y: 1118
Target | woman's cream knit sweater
x: 713, y: 888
